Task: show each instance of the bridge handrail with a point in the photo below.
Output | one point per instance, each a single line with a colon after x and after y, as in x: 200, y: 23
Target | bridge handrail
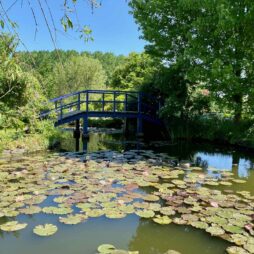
x: 142, y: 106
x: 94, y: 92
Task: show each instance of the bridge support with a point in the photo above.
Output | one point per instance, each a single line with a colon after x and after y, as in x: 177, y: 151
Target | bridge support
x: 85, y: 134
x: 140, y: 133
x: 76, y: 134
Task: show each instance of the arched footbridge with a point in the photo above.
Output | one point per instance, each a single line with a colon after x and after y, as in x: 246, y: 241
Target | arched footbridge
x: 83, y: 105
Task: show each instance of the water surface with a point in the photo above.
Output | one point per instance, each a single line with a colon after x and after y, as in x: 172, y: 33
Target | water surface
x: 132, y: 232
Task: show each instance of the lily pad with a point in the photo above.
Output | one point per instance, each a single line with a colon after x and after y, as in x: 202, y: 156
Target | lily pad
x: 162, y: 220
x: 106, y: 248
x: 145, y: 213
x: 45, y: 230
x: 236, y: 250
x: 214, y: 230
x: 199, y: 224
x: 12, y: 226
x: 73, y: 219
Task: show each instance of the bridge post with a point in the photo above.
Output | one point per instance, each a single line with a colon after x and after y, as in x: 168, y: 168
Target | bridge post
x: 126, y: 103
x: 87, y: 101
x: 79, y: 101
x: 114, y: 99
x: 61, y: 112
x: 140, y: 126
x: 85, y: 128
x: 103, y: 102
x: 76, y: 134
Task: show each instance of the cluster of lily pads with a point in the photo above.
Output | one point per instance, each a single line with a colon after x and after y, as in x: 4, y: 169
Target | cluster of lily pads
x: 115, y: 185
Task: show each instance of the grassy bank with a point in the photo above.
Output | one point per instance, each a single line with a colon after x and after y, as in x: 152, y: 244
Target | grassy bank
x: 43, y: 138
x: 213, y: 129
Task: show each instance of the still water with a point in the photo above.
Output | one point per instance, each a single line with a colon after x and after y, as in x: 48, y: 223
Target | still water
x: 132, y: 232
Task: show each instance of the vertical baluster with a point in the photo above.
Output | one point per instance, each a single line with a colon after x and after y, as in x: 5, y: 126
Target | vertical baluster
x: 79, y: 101
x: 61, y: 106
x: 126, y: 103
x: 87, y: 101
x: 114, y: 102
x: 103, y: 102
x: 56, y: 109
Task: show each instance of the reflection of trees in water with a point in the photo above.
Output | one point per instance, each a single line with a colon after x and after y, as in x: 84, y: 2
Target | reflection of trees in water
x: 100, y: 141
x: 146, y: 239
x: 181, y: 151
x: 152, y: 238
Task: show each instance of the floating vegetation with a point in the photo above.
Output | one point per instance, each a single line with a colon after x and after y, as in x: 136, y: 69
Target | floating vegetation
x: 116, y: 185
x: 106, y: 248
x: 45, y: 230
x: 12, y: 226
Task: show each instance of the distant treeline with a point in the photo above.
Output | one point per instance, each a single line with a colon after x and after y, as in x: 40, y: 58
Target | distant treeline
x: 62, y: 71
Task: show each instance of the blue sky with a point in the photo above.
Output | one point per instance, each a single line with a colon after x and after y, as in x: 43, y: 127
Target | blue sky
x: 114, y: 29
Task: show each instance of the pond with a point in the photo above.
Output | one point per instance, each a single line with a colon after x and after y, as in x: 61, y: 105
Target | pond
x: 130, y: 194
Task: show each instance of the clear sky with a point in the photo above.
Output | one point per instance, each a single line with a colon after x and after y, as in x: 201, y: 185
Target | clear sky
x: 114, y: 29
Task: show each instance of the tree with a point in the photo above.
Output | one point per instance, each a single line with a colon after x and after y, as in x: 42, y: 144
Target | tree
x: 182, y: 98
x: 20, y: 94
x: 214, y: 40
x: 78, y: 73
x: 137, y: 71
x: 109, y: 62
x: 41, y: 64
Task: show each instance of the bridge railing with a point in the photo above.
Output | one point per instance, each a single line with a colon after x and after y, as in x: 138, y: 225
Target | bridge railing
x: 103, y: 101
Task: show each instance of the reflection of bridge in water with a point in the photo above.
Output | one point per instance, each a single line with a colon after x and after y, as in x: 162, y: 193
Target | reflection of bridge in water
x: 82, y: 105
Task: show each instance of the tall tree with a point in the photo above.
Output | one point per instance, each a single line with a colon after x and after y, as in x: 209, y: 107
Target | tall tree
x: 78, y: 73
x: 213, y: 40
x: 136, y: 71
x: 20, y: 93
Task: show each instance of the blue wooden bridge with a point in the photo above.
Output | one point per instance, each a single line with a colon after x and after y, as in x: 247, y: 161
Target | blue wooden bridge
x: 104, y: 103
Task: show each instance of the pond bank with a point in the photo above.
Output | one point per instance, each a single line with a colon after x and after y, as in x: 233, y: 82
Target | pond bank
x: 213, y: 130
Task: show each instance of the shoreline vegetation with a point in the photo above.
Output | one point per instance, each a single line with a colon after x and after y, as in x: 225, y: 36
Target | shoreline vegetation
x: 191, y: 110
x: 12, y: 141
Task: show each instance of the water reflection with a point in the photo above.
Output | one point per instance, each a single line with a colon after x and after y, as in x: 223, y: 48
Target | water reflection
x: 151, y: 238
x: 205, y: 155
x: 241, y: 167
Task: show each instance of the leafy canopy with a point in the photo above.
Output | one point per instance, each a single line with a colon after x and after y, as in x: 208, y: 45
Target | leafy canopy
x: 212, y: 40
x: 78, y: 73
x: 137, y: 70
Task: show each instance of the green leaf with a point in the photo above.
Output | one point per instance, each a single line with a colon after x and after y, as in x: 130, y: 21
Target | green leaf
x: 2, y: 23
x: 106, y: 248
x: 45, y: 230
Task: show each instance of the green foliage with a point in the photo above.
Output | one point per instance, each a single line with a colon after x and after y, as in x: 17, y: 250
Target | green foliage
x: 138, y: 70
x: 20, y: 93
x: 182, y: 98
x: 78, y: 73
x: 211, y: 40
x: 109, y: 62
x: 42, y: 65
x: 215, y: 128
